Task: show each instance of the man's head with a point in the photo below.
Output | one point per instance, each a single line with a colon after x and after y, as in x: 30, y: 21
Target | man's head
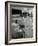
x: 22, y: 26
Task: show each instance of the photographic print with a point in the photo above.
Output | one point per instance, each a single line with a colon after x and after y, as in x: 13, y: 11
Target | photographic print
x: 20, y: 22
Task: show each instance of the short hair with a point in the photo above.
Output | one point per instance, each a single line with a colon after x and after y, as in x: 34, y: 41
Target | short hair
x: 22, y: 26
x: 15, y: 21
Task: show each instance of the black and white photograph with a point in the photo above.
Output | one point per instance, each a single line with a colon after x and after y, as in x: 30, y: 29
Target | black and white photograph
x: 20, y: 22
